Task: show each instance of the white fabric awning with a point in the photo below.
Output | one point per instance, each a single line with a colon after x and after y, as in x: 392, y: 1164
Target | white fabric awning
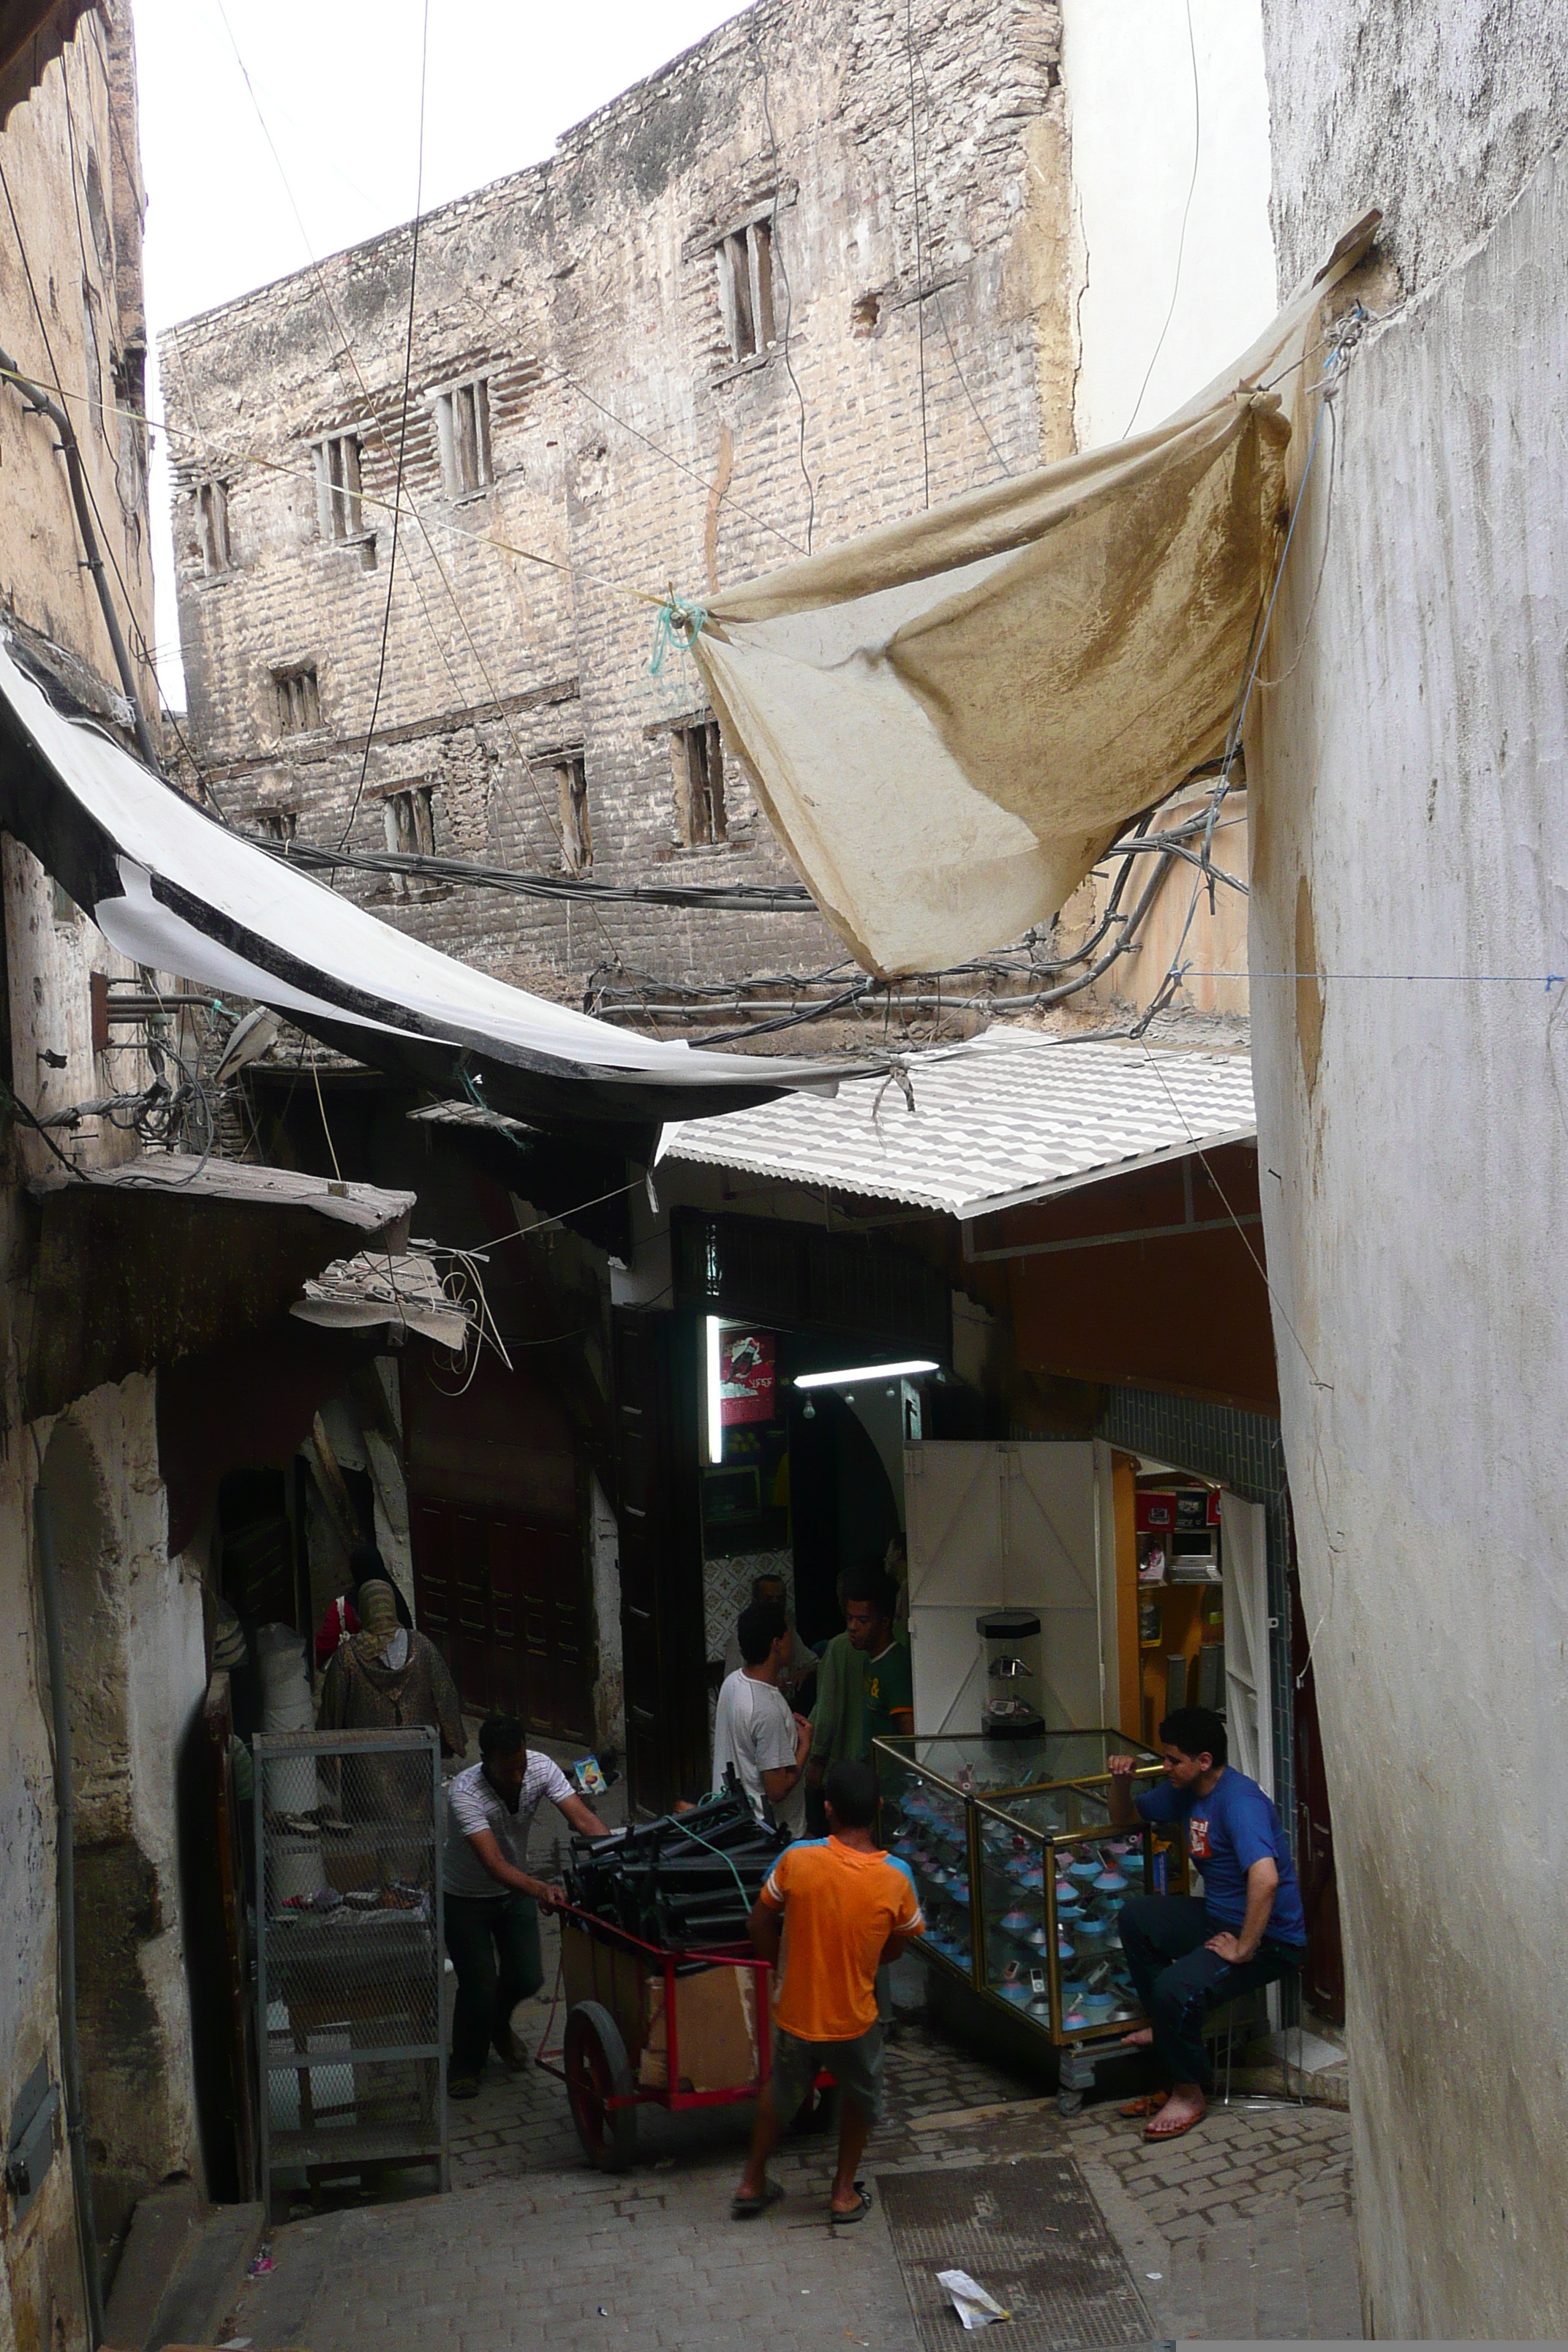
x: 951, y: 719
x: 173, y: 888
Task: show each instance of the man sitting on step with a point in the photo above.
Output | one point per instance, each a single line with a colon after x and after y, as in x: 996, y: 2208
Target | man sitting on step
x: 1190, y: 1954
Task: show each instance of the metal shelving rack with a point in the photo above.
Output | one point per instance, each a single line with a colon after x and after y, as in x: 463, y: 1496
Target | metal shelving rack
x: 349, y: 1954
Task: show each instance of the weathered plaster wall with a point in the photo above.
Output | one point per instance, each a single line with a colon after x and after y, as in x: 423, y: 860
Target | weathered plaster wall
x: 630, y: 448
x: 135, y: 1661
x: 1407, y: 787
x: 1438, y: 116
x: 1128, y: 67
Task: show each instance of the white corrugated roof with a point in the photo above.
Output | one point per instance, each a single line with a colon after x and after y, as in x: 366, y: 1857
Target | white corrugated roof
x: 1007, y: 1116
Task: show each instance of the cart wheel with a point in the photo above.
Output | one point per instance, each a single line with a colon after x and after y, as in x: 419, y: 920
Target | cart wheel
x: 597, y: 2069
x: 1068, y: 2102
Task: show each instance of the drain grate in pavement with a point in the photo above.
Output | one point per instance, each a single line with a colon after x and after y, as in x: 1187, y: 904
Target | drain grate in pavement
x: 1031, y: 2235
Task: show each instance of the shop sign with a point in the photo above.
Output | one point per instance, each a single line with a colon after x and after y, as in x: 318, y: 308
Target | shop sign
x: 746, y: 1387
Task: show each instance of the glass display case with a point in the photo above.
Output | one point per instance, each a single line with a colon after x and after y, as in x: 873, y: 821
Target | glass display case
x: 1020, y: 1872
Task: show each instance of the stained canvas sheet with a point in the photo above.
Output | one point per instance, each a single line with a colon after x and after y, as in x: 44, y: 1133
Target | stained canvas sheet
x: 951, y: 719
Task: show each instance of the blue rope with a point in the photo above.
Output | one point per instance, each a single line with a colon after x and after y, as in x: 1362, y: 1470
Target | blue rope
x: 679, y: 624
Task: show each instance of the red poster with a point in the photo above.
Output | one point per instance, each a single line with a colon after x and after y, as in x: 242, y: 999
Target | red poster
x: 746, y: 1376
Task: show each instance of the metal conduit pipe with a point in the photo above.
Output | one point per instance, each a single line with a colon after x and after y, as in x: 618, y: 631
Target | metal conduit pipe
x: 65, y: 1911
x: 39, y: 401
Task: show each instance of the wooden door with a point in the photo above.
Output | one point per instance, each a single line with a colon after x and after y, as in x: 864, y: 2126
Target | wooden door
x: 504, y: 1596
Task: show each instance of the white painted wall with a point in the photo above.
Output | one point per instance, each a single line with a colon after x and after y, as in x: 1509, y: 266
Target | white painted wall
x: 1410, y: 779
x: 1128, y: 68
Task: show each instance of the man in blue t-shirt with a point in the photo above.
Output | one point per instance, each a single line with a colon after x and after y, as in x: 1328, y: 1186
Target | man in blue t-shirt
x: 1188, y: 1954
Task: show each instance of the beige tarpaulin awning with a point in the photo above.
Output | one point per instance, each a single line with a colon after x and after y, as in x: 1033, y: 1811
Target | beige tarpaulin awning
x: 951, y: 719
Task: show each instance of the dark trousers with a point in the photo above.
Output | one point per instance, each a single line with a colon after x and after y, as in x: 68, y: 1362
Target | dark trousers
x: 493, y: 1940
x: 1179, y: 1980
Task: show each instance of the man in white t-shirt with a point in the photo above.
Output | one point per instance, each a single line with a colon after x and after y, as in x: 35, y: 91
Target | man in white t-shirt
x: 755, y: 1729
x: 801, y: 1663
x: 490, y: 1899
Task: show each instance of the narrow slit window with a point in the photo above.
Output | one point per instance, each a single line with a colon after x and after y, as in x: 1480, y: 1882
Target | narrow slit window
x: 410, y: 831
x: 299, y: 701
x: 746, y: 260
x: 340, y: 503
x: 463, y: 434
x: 576, y: 828
x: 697, y: 758
x: 212, y: 522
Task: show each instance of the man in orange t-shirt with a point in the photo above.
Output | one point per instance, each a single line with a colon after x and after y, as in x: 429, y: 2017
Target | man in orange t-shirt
x: 841, y: 1908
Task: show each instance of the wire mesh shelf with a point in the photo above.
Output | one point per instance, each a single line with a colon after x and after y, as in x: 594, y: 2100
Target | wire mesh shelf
x: 349, y: 1952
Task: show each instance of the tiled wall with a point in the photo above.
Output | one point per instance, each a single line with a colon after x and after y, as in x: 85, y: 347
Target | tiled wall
x: 1245, y: 1452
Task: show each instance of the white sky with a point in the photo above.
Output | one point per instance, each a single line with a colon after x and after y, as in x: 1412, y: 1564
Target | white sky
x: 338, y: 84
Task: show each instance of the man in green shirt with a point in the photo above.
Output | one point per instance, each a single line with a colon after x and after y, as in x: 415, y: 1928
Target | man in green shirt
x: 865, y: 1688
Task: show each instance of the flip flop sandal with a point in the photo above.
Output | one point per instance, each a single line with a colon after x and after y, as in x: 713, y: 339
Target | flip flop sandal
x: 856, y: 2212
x: 1150, y: 2104
x: 1175, y: 2131
x: 746, y: 2209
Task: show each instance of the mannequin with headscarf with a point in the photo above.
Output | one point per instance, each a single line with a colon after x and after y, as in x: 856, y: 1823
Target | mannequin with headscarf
x: 382, y: 1677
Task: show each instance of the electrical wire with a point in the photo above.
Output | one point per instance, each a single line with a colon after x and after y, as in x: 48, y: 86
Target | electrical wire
x: 401, y: 433
x: 1186, y: 211
x: 919, y: 273
x: 775, y: 254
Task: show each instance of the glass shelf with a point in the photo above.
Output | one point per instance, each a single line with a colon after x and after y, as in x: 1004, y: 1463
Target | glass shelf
x: 1021, y: 1872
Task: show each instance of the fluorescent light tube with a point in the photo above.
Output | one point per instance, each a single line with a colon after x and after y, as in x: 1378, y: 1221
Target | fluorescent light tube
x: 715, y: 1395
x: 907, y: 1370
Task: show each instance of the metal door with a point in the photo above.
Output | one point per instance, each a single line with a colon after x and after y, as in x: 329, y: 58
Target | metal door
x: 995, y: 1526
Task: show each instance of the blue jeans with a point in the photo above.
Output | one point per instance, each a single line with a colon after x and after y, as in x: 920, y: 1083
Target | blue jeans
x: 1179, y: 1980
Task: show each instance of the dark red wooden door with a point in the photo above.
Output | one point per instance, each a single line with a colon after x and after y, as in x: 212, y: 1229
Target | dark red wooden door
x: 505, y: 1599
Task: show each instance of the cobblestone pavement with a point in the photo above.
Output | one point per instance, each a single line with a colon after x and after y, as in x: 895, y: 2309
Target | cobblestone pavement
x: 1241, y: 2230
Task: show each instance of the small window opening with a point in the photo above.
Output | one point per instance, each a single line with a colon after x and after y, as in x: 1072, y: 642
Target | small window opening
x: 697, y: 757
x: 410, y: 831
x: 576, y: 828
x: 746, y: 260
x: 299, y: 701
x: 463, y: 433
x: 212, y: 520
x: 339, y: 505
x: 278, y: 825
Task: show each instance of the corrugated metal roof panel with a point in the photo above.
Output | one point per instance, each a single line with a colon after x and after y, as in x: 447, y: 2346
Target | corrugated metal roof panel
x: 1007, y: 1116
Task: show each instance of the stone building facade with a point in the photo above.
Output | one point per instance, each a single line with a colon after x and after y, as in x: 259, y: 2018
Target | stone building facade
x: 748, y: 309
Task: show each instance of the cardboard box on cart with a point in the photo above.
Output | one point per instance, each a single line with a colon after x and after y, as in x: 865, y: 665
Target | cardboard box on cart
x: 715, y: 2013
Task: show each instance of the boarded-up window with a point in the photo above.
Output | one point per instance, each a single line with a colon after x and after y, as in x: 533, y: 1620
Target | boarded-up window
x: 212, y: 523
x: 299, y: 699
x: 410, y: 831
x: 463, y: 433
x: 746, y: 260
x: 576, y: 830
x: 697, y: 760
x: 340, y: 506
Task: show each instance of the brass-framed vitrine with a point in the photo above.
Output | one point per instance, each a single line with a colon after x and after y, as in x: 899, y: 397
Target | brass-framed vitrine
x: 1021, y: 1872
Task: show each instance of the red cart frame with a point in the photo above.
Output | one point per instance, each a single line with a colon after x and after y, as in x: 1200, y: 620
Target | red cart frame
x: 602, y: 2037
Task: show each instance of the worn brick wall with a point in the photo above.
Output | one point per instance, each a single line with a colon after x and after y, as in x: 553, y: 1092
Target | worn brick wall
x: 630, y: 451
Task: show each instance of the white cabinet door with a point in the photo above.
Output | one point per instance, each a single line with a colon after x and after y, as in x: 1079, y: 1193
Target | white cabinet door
x: 1248, y: 1710
x: 1002, y: 1527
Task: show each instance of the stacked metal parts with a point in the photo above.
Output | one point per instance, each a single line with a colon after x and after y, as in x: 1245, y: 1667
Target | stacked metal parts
x: 685, y: 1883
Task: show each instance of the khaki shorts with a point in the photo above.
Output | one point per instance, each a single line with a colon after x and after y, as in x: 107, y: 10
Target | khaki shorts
x: 856, y: 2066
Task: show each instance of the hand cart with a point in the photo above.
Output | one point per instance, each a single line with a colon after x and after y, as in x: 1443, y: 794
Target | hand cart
x: 647, y: 2027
